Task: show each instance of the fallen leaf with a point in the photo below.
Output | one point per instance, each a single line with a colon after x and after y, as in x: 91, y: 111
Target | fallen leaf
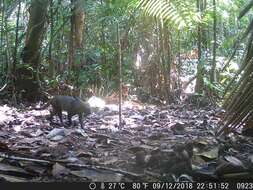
x: 98, y: 175
x: 59, y: 170
x: 13, y: 178
x: 211, y: 154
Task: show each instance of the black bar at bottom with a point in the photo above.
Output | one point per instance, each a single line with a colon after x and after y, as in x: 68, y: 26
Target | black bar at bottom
x: 131, y: 186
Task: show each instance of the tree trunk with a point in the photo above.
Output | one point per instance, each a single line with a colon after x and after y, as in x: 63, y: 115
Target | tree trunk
x: 58, y: 43
x: 103, y: 56
x: 168, y: 46
x: 213, y: 70
x: 76, y: 32
x: 156, y: 66
x: 51, y: 69
x: 199, y: 81
x: 166, y: 60
x: 2, y: 35
x: 71, y: 38
x: 79, y: 18
x: 120, y: 76
x: 179, y: 63
x: 16, y: 40
x: 2, y: 23
x: 204, y: 30
x: 2, y: 28
x: 27, y: 80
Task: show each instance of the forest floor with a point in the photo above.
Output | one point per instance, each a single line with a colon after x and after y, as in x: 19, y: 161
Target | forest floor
x: 172, y: 143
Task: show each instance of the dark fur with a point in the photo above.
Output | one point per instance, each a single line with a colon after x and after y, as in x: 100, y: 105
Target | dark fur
x: 72, y: 105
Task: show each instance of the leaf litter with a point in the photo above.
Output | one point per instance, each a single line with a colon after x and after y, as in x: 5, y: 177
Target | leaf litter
x: 172, y: 143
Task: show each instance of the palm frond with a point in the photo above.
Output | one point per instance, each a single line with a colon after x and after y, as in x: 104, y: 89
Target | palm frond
x: 176, y: 12
x: 239, y: 105
x: 246, y: 9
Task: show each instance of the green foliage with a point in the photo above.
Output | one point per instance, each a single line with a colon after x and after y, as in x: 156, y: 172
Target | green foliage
x: 53, y: 82
x: 138, y: 32
x: 90, y: 75
x: 239, y: 103
x: 214, y: 87
x: 180, y: 14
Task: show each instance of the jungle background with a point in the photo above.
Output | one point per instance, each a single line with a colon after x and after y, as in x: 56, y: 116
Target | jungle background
x: 178, y: 70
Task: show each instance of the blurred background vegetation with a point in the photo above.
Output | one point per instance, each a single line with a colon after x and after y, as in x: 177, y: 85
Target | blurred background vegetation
x: 169, y: 47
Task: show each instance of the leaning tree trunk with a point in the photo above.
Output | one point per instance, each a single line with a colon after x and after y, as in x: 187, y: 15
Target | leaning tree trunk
x: 27, y: 81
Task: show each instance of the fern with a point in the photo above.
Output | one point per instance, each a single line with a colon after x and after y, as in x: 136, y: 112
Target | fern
x: 176, y: 12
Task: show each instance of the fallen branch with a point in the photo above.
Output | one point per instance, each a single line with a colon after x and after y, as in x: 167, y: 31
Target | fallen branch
x: 51, y: 162
x: 4, y: 155
x: 127, y: 174
x: 3, y: 87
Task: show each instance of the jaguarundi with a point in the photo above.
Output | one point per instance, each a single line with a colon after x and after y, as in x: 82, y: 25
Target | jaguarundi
x: 72, y: 105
